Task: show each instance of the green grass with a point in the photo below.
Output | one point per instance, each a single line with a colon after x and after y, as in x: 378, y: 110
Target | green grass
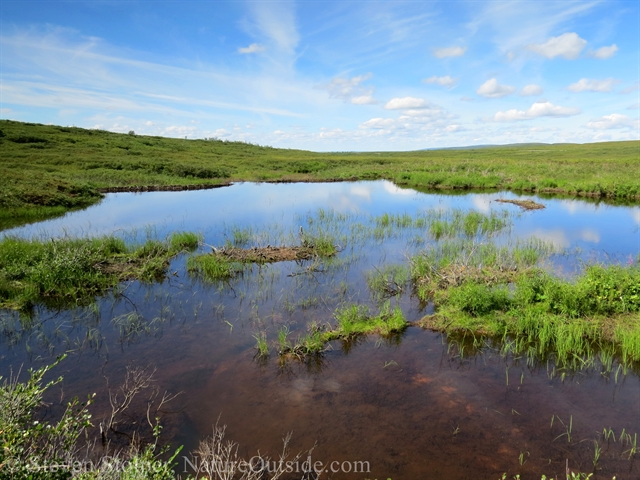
x: 70, y: 271
x: 351, y: 321
x: 55, y: 168
x: 213, y: 267
x: 387, y: 281
x: 565, y: 318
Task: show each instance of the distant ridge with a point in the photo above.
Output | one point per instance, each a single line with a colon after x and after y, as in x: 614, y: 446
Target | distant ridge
x: 474, y: 147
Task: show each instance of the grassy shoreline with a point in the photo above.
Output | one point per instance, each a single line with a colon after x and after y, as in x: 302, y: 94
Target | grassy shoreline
x: 47, y: 170
x: 67, y: 272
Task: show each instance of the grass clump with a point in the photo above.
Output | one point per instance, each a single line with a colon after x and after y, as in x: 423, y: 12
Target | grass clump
x: 323, y: 245
x: 351, y: 321
x: 67, y: 271
x: 450, y: 224
x: 387, y: 282
x: 450, y: 263
x: 213, y: 267
x: 566, y: 318
x: 261, y: 344
x: 355, y: 320
x: 184, y: 241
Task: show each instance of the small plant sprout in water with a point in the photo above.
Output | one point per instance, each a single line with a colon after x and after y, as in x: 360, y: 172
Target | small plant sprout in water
x: 261, y: 344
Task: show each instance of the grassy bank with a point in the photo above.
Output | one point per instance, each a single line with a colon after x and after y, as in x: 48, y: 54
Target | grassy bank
x: 532, y: 311
x: 67, y: 272
x: 47, y: 170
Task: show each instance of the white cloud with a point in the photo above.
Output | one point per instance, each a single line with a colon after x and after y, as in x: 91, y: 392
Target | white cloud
x: 351, y: 89
x: 567, y: 45
x: 556, y: 237
x: 590, y: 85
x: 393, y: 189
x: 430, y: 111
x: 253, y: 48
x: 364, y: 100
x: 179, y: 130
x: 449, y: 52
x: 631, y: 88
x: 406, y: 103
x: 589, y: 235
x: 615, y: 120
x: 538, y: 109
x: 275, y: 22
x: 445, y: 81
x: 531, y: 90
x: 604, y: 52
x: 635, y: 106
x: 491, y: 89
x: 378, y: 123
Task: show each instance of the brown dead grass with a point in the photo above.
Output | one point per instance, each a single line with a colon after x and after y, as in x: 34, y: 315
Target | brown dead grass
x: 266, y: 254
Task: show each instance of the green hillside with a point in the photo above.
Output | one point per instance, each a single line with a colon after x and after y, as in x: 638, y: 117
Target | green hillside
x: 46, y: 170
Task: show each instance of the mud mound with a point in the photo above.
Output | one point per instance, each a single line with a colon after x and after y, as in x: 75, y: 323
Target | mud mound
x: 266, y: 254
x: 526, y: 204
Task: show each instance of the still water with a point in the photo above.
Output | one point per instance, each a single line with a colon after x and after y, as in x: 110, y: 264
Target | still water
x: 418, y: 406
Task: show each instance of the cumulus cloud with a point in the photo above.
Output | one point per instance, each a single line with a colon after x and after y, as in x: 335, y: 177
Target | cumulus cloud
x: 445, y: 81
x: 538, y: 109
x: 604, y: 52
x: 615, y: 120
x: 492, y: 89
x: 531, y: 90
x: 590, y: 85
x: 351, y: 89
x: 449, y: 52
x: 378, y: 123
x: 567, y: 45
x: 253, y: 48
x: 403, y: 103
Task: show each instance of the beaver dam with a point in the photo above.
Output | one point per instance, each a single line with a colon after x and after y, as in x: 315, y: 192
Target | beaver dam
x: 430, y: 335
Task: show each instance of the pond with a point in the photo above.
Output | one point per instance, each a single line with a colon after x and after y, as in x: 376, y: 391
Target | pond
x: 420, y: 404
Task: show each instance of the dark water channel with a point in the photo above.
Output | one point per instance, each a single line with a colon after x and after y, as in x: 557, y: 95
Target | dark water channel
x: 420, y: 405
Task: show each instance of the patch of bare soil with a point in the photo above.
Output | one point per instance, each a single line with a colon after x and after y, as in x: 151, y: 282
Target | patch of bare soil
x: 266, y: 254
x: 526, y: 204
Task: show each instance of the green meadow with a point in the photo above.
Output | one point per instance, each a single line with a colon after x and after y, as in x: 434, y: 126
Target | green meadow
x: 46, y: 170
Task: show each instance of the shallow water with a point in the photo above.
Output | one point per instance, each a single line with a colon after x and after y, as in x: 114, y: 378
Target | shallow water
x: 420, y: 406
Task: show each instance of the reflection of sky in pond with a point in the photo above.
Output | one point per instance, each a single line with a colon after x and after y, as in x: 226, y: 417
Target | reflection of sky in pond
x: 601, y: 231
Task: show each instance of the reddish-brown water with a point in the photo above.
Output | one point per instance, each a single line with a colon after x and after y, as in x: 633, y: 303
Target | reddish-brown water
x: 415, y: 407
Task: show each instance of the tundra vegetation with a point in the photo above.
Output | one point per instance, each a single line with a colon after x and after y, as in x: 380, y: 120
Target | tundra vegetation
x: 480, y: 283
x: 46, y: 170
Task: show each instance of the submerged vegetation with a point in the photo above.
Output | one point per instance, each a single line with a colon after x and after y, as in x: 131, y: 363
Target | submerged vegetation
x: 47, y: 170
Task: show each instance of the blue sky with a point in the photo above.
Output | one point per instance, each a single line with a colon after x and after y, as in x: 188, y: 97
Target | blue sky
x: 328, y: 76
